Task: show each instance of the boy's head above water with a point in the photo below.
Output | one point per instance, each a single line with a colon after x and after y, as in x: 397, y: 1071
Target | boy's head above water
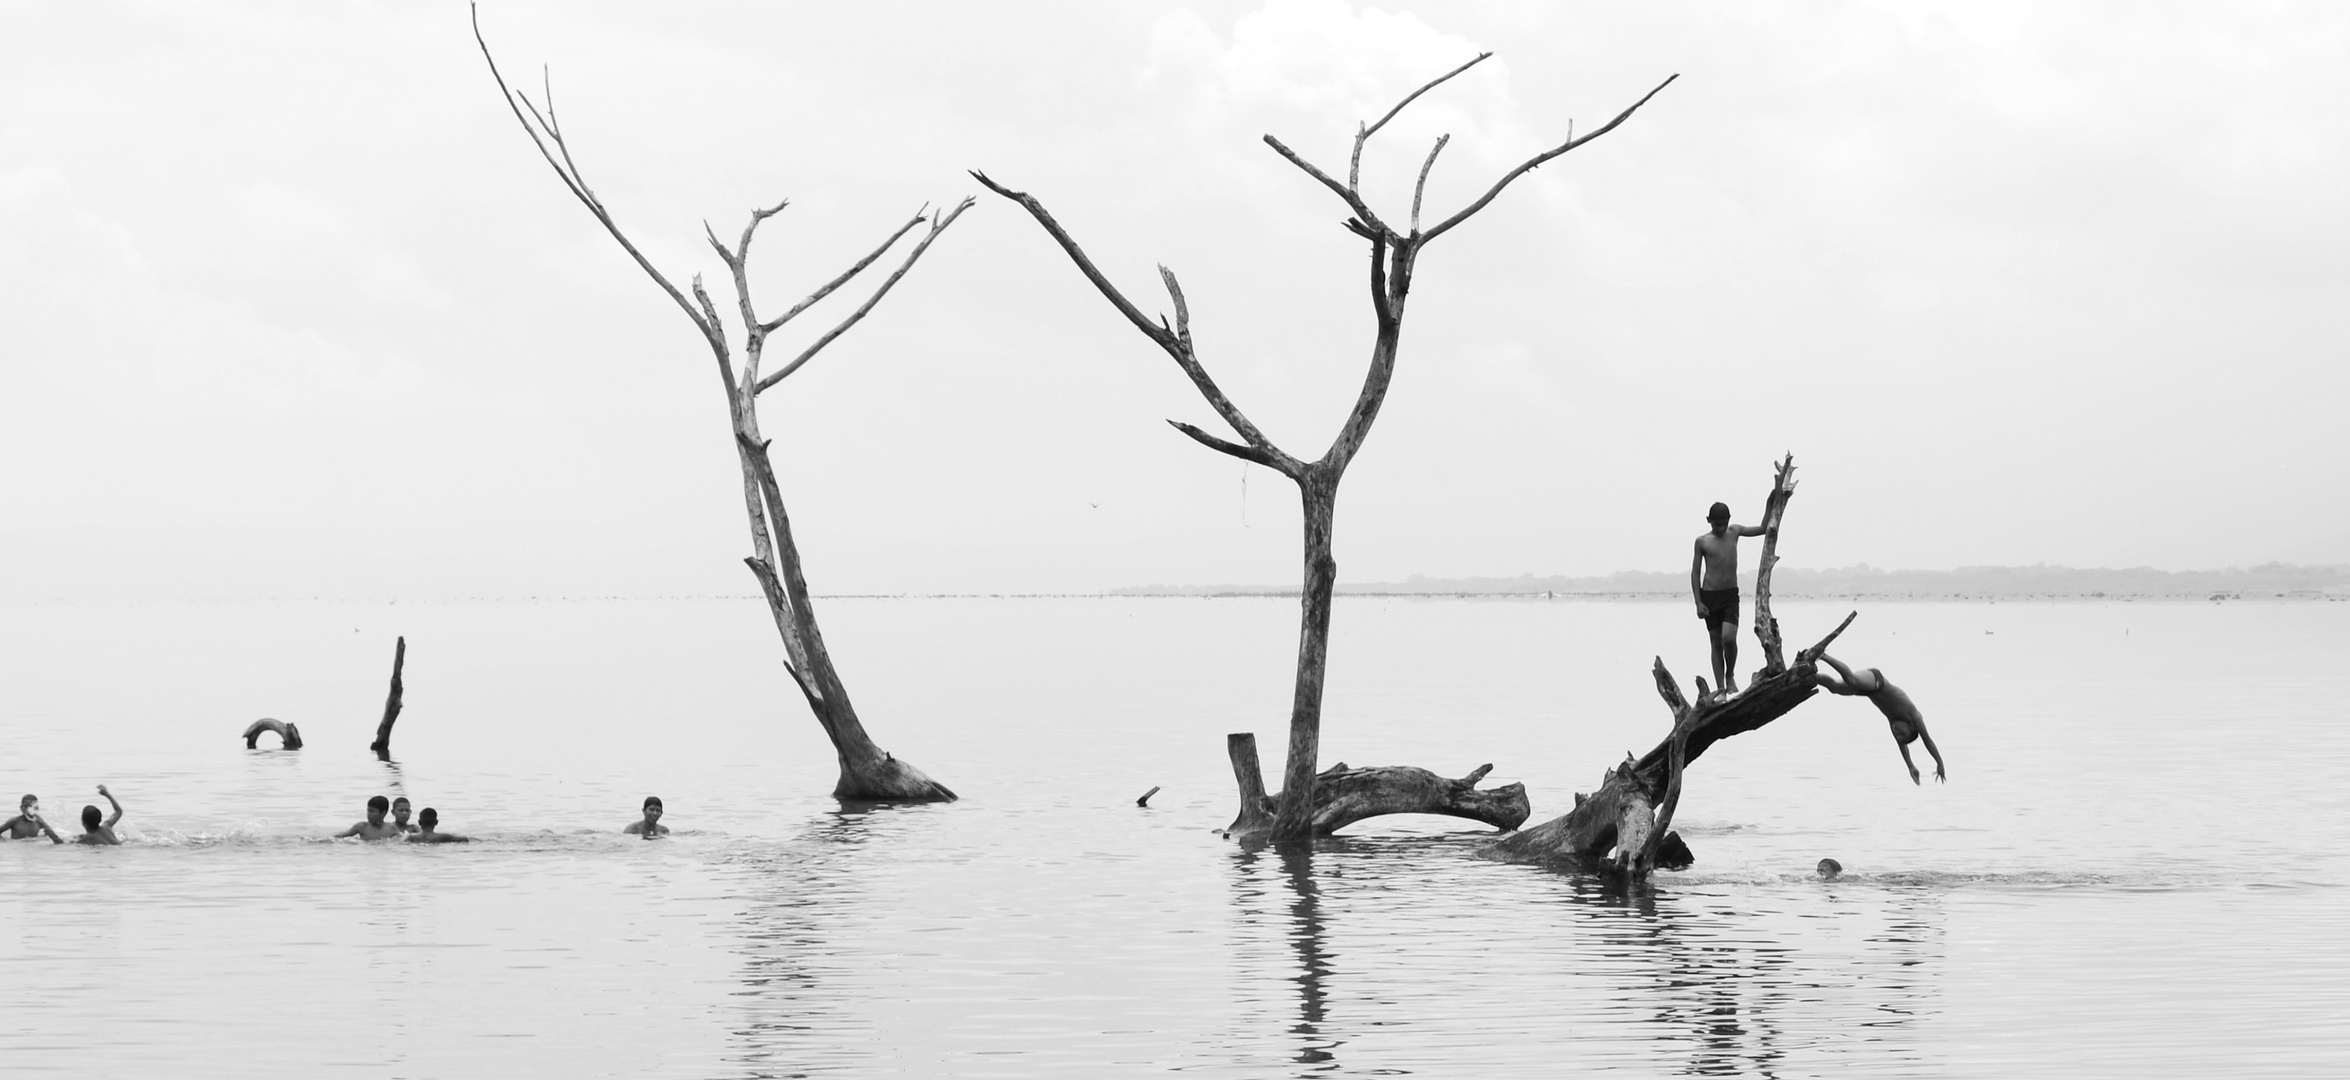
x: 652, y: 808
x: 376, y: 808
x: 27, y: 803
x: 400, y: 808
x: 90, y: 818
x: 430, y: 818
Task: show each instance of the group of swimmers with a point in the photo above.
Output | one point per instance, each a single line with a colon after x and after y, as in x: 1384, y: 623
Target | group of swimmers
x: 28, y: 823
x: 426, y: 830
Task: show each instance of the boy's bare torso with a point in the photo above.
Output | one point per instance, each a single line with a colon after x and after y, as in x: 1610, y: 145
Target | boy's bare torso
x: 1720, y: 552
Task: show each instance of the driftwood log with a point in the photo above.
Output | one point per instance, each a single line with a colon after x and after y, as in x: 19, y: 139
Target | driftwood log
x: 288, y: 735
x: 383, y: 728
x: 1344, y: 795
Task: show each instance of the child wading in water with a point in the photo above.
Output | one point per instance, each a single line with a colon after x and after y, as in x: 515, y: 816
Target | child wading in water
x: 651, y: 826
x: 92, y: 831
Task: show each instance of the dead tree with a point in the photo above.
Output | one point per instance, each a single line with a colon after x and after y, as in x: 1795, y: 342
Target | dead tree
x: 1394, y: 255
x: 866, y: 771
x: 1632, y: 810
x: 383, y: 728
x: 1345, y: 795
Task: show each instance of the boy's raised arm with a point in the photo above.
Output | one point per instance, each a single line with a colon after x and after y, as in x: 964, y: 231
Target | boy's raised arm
x: 110, y: 801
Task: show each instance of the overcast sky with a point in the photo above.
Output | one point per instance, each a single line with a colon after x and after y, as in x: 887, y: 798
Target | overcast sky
x: 290, y: 307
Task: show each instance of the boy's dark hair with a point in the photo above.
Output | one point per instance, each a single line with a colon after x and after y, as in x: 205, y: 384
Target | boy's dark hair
x: 652, y: 801
x: 401, y: 799
x: 90, y: 818
x: 27, y: 801
x: 1720, y: 512
x: 379, y: 804
x: 429, y: 818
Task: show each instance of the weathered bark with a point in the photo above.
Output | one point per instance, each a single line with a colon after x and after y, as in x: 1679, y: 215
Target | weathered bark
x: 1344, y: 795
x: 1394, y: 255
x: 1766, y: 626
x: 867, y: 772
x: 383, y: 728
x: 289, y: 736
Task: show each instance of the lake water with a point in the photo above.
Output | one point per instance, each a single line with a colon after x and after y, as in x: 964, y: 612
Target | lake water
x: 2138, y: 867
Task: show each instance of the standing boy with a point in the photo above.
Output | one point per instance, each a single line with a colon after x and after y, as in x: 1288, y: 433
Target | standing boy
x: 1713, y: 581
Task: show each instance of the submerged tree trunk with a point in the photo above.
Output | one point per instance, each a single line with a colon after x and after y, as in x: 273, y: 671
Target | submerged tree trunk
x: 867, y: 772
x: 1394, y: 254
x: 1344, y: 795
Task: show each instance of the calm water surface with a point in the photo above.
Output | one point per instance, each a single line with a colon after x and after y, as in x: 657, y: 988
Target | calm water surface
x: 2138, y: 867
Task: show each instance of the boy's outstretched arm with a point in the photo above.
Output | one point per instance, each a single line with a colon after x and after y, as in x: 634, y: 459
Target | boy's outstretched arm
x: 1748, y: 530
x: 1927, y: 737
x: 110, y: 801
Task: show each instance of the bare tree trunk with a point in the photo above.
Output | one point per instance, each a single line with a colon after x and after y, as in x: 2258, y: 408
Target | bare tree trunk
x: 1313, y: 661
x: 867, y: 772
x: 1766, y: 625
x: 383, y: 730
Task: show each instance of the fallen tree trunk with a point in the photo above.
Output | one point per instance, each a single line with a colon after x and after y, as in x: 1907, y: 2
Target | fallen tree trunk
x: 383, y: 729
x: 1344, y: 795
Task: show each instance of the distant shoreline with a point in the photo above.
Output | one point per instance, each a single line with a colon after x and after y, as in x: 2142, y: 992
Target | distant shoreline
x: 2274, y: 581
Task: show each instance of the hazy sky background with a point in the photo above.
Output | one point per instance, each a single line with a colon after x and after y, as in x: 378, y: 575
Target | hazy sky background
x: 290, y: 307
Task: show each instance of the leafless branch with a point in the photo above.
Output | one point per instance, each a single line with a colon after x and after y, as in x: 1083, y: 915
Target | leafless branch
x: 1176, y: 343
x: 1238, y: 450
x: 854, y: 269
x: 1354, y: 202
x: 1182, y: 310
x: 1363, y: 134
x: 1422, y: 186
x: 1538, y: 159
x: 938, y: 225
x: 541, y: 134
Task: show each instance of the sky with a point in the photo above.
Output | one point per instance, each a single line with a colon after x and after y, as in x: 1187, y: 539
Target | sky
x: 290, y: 307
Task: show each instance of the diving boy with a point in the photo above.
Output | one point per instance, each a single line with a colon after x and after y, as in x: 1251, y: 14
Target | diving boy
x: 1909, y: 725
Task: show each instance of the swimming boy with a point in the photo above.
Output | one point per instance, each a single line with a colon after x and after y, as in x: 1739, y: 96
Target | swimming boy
x: 400, y: 815
x: 375, y: 827
x: 651, y: 826
x: 28, y: 824
x: 92, y: 831
x: 1909, y: 725
x: 1713, y: 581
x: 429, y: 823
